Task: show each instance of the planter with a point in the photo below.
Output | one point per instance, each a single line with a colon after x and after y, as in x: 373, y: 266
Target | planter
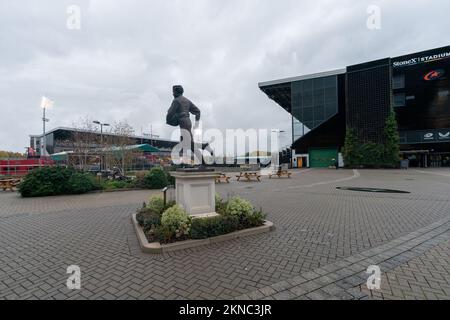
x: 157, y: 248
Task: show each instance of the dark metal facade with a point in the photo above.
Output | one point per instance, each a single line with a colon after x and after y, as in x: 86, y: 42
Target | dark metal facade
x: 415, y: 86
x: 368, y: 99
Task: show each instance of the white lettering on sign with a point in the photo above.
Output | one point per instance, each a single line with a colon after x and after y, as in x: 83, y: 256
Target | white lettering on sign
x: 422, y: 59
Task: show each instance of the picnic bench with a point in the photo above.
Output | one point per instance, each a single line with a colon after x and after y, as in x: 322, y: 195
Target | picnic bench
x: 9, y: 184
x: 281, y: 173
x: 223, y: 177
x: 249, y: 176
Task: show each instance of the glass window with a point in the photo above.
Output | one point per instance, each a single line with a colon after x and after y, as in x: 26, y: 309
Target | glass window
x: 330, y: 109
x: 307, y: 85
x: 314, y: 101
x: 308, y: 114
x: 330, y: 95
x: 317, y: 123
x: 308, y: 99
x: 309, y: 124
x: 298, y: 129
x: 298, y: 114
x: 319, y: 98
x: 398, y: 82
x: 318, y: 83
x: 330, y: 82
x: 319, y: 113
x: 399, y: 100
x: 443, y: 93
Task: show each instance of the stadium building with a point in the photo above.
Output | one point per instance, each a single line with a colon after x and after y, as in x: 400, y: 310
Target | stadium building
x: 64, y: 140
x: 360, y: 97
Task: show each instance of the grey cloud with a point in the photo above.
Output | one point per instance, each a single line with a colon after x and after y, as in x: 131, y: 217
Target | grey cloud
x: 128, y: 54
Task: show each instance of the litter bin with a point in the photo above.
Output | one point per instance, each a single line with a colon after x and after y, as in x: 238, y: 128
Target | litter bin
x: 404, y: 164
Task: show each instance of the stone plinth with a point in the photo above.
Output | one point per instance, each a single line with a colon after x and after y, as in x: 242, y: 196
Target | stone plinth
x: 195, y: 192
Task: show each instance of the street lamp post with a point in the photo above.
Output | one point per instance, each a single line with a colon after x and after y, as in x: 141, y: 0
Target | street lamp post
x: 46, y: 103
x: 101, y: 138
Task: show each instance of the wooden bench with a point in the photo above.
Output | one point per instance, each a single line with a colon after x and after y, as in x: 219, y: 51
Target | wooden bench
x: 223, y: 177
x: 249, y: 176
x: 9, y: 184
x: 281, y: 173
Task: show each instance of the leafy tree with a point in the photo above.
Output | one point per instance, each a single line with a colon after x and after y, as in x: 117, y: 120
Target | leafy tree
x: 392, y: 141
x: 155, y: 179
x: 9, y: 154
x: 350, y: 152
x: 373, y: 155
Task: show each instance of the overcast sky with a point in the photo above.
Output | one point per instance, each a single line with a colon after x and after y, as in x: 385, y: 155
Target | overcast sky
x: 123, y: 61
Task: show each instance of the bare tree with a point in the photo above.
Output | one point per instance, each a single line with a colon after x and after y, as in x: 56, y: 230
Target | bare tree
x: 120, y: 154
x: 86, y: 140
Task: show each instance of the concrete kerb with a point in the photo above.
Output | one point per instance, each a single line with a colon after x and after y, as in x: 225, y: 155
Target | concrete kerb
x: 157, y: 248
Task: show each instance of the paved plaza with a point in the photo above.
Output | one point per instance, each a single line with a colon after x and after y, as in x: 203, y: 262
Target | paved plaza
x: 325, y: 239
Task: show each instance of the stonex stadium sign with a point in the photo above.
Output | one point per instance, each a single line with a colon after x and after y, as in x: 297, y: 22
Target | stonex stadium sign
x: 422, y: 59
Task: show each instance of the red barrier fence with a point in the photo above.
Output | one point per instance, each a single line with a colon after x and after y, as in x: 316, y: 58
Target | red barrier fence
x: 20, y: 167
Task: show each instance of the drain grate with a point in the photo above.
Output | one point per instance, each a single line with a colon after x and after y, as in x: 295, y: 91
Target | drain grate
x: 373, y: 190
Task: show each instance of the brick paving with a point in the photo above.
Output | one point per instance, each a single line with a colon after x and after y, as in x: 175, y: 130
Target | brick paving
x: 422, y: 278
x: 317, y: 226
x: 347, y: 279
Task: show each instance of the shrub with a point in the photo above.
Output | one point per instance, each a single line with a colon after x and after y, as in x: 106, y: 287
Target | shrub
x: 170, y: 180
x: 155, y: 179
x: 256, y: 219
x: 245, y: 212
x: 115, y: 184
x: 212, y: 227
x: 52, y: 181
x: 221, y: 205
x: 169, y: 205
x: 239, y: 207
x: 138, y: 182
x: 79, y: 183
x: 156, y: 204
x: 162, y: 234
x: 148, y: 219
x: 168, y: 170
x: 176, y: 220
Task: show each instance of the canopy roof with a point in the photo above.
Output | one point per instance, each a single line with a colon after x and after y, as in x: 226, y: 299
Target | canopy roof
x: 137, y: 147
x: 62, y: 156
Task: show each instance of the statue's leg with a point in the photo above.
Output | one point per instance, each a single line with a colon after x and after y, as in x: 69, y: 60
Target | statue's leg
x: 186, y: 124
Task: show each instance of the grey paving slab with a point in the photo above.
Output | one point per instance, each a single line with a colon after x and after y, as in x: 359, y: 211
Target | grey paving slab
x: 318, y: 228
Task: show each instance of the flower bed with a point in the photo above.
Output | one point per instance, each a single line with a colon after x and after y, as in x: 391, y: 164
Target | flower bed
x: 169, y: 224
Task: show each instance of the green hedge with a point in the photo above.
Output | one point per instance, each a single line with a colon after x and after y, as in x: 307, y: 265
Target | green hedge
x: 115, y: 184
x: 213, y: 227
x: 155, y: 179
x: 52, y: 181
